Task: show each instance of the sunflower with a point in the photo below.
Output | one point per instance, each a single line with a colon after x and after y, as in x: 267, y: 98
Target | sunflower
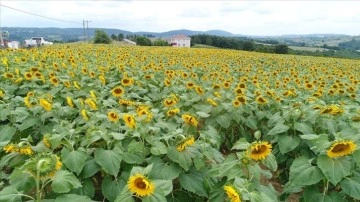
x: 217, y: 94
x: 126, y: 102
x: 69, y: 102
x: 241, y: 99
x: 84, y: 70
x: 92, y: 74
x: 190, y: 120
x: 169, y: 102
x: 117, y: 91
x: 54, y: 81
x: 226, y: 84
x: 236, y: 103
x: 46, y: 142
x: 2, y: 93
x: 76, y: 84
x: 239, y: 91
x: 129, y: 121
x: 38, y: 74
x: 26, y: 149
x: 259, y: 150
x: 190, y: 85
x: 341, y: 148
x: 232, y: 194
x: 261, y: 100
x: 28, y: 76
x: 9, y: 148
x: 102, y: 79
x: 241, y: 85
x: 148, y: 76
x: 167, y: 82
x: 55, y: 65
x: 172, y: 112
x: 332, y: 109
x: 185, y: 143
x: 84, y: 115
x: 90, y: 102
x: 199, y: 90
x: 144, y: 110
x: 212, y: 102
x: 44, y: 164
x: 289, y: 93
x: 51, y: 74
x: 216, y: 86
x: 67, y: 84
x: 139, y: 185
x: 28, y: 102
x: 9, y: 75
x: 92, y: 94
x: 355, y: 118
x: 45, y: 104
x: 184, y: 75
x: 113, y: 116
x: 127, y: 81
x: 309, y: 86
x: 19, y: 80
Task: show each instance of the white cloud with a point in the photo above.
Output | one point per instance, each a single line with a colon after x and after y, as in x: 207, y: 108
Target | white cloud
x: 241, y: 17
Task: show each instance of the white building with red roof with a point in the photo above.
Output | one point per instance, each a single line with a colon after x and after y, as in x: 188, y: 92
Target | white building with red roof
x: 179, y: 41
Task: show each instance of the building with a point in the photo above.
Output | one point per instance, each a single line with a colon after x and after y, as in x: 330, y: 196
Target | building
x: 179, y: 41
x: 13, y: 44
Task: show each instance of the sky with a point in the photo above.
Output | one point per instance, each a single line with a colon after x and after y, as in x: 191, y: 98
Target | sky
x: 247, y: 17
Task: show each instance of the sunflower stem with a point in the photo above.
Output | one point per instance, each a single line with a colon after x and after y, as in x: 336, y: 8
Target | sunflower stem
x: 326, y: 187
x: 38, y: 190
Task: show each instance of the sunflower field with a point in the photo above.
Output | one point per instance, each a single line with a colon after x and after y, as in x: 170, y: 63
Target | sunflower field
x: 84, y: 122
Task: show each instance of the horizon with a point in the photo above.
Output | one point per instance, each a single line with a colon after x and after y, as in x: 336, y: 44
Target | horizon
x: 235, y: 34
x: 259, y: 18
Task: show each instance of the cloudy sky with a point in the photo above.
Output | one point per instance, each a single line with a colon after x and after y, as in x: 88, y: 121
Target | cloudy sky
x: 247, y: 17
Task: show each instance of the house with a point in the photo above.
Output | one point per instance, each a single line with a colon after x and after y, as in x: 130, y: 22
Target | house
x: 179, y: 41
x: 14, y: 44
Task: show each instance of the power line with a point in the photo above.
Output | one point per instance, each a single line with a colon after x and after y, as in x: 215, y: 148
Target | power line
x: 38, y: 15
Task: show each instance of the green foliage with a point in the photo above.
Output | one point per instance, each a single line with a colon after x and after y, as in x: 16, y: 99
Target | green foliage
x: 64, y: 181
x: 281, y: 49
x: 120, y: 36
x: 114, y: 37
x: 143, y: 41
x: 160, y: 42
x: 101, y: 37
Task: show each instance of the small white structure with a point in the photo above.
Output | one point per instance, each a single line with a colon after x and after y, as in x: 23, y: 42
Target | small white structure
x: 179, y: 41
x: 130, y: 42
x: 14, y: 44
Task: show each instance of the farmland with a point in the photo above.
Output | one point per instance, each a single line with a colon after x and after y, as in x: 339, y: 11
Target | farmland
x: 91, y: 122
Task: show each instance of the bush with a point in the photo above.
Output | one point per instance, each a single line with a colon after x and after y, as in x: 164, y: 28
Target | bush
x: 101, y: 37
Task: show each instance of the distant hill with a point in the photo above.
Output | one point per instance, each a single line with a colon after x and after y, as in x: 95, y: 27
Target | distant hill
x: 74, y: 34
x: 67, y: 34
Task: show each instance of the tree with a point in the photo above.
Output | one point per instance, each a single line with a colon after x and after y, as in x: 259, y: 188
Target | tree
x: 281, y: 49
x: 114, y: 37
x: 101, y: 37
x: 208, y: 41
x: 196, y: 39
x: 143, y: 41
x: 120, y: 36
x: 248, y: 46
x: 160, y: 42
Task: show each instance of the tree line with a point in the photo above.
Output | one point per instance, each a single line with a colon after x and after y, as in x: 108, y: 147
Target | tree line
x: 238, y: 43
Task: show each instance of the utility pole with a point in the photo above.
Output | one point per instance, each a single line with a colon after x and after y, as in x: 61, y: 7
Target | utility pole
x: 87, y: 28
x: 84, y: 28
